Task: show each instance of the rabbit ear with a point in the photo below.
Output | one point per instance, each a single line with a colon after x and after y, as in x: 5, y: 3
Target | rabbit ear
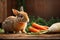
x: 21, y: 8
x: 15, y: 12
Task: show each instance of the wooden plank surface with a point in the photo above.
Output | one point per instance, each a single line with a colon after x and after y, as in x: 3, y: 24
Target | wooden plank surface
x: 25, y: 36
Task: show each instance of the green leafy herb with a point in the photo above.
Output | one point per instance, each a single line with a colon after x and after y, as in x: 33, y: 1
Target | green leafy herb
x: 41, y: 21
x: 37, y: 33
x: 1, y: 30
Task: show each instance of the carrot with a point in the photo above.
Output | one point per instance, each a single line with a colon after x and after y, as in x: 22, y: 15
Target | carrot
x: 46, y: 27
x: 32, y: 29
x: 40, y: 27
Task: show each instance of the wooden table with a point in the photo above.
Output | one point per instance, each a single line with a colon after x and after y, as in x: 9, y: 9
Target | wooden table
x: 24, y: 36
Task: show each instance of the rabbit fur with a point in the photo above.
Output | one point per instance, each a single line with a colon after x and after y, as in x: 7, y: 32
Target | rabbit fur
x: 16, y: 24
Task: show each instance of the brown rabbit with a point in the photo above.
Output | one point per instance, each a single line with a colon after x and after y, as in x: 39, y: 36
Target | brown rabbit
x: 16, y: 23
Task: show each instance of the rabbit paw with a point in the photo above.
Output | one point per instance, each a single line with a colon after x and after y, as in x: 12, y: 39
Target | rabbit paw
x: 17, y: 32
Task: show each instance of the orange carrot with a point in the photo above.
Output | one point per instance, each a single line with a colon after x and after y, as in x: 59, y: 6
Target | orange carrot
x: 32, y: 29
x: 46, y: 27
x: 38, y: 26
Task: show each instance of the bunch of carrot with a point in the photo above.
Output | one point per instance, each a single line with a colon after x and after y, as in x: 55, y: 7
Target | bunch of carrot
x: 37, y: 28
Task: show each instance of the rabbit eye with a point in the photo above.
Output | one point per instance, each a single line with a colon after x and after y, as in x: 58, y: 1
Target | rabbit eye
x: 20, y: 15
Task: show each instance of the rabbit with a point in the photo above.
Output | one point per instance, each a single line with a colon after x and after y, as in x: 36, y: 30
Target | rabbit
x: 54, y: 28
x: 16, y: 24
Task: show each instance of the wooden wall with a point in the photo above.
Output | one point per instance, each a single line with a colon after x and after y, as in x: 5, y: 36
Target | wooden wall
x: 43, y: 8
x: 11, y: 4
x: 6, y: 8
x: 3, y: 10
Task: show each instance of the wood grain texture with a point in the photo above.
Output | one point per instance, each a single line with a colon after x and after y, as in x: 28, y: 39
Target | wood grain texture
x: 3, y: 10
x: 43, y: 8
x: 11, y: 4
x: 25, y: 36
x: 6, y: 8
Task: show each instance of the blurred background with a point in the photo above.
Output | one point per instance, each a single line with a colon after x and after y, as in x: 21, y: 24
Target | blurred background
x: 43, y: 8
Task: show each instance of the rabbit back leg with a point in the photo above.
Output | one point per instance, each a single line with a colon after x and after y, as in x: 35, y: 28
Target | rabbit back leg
x: 8, y: 32
x: 7, y: 26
